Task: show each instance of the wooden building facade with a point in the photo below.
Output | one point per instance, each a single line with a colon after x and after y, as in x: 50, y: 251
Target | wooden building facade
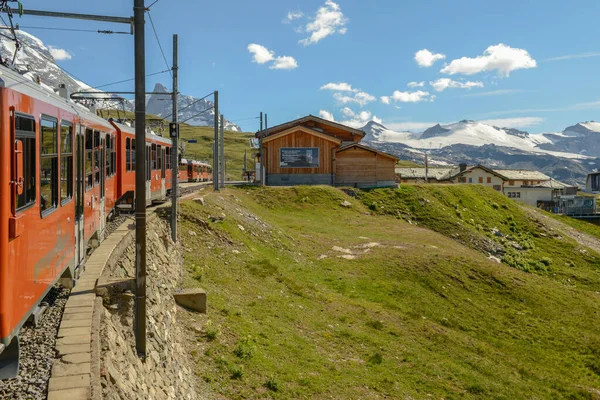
x: 314, y: 151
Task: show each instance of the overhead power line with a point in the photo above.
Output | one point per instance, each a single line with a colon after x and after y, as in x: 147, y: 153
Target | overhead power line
x: 158, y: 41
x: 201, y: 112
x: 191, y: 104
x: 130, y: 79
x: 148, y: 8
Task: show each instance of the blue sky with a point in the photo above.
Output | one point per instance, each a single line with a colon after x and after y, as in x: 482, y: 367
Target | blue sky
x: 526, y: 64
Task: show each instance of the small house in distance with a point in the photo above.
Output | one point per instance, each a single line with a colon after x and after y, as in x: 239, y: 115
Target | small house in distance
x: 315, y: 151
x: 530, y: 187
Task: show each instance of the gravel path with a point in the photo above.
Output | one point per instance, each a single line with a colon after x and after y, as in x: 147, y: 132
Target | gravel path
x: 582, y: 238
x: 37, y: 352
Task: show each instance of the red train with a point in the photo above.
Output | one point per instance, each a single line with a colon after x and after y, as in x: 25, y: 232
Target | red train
x: 66, y: 170
x: 194, y: 171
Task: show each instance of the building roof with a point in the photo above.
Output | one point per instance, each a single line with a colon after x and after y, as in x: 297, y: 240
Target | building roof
x: 523, y: 174
x: 552, y: 184
x: 319, y: 120
x: 479, y: 166
x: 362, y: 146
x: 302, y: 129
x: 439, y: 174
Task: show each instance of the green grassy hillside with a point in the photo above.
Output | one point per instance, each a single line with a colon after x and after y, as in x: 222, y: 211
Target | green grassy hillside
x: 235, y: 143
x: 311, y: 299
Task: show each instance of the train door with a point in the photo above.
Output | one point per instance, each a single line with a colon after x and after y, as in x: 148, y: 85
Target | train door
x: 102, y: 183
x: 148, y: 175
x: 79, y: 197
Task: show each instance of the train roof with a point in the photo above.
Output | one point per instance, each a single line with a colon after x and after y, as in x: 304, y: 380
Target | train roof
x: 13, y: 80
x: 151, y: 136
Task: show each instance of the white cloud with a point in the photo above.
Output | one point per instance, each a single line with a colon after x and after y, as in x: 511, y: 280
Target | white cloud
x: 284, y: 62
x: 260, y: 54
x: 410, y: 97
x: 358, y: 120
x: 573, y: 56
x: 338, y: 87
x: 516, y: 122
x: 415, y: 84
x: 326, y: 115
x: 385, y: 99
x: 59, y: 54
x: 291, y: 16
x: 329, y: 20
x: 360, y: 98
x: 501, y: 58
x: 347, y: 112
x: 445, y: 83
x: 425, y: 58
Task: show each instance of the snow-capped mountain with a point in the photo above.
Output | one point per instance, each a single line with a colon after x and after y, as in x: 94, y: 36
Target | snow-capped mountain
x: 191, y: 110
x: 568, y: 156
x: 35, y: 61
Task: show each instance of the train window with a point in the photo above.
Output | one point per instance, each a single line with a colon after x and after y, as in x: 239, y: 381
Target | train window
x: 128, y: 154
x: 159, y: 157
x: 133, y: 155
x: 66, y: 162
x: 153, y: 156
x: 89, y: 147
x: 168, y: 158
x: 48, y: 165
x: 97, y: 164
x: 25, y: 132
x: 108, y: 154
x: 113, y: 156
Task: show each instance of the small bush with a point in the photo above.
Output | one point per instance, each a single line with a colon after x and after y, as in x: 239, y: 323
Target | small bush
x: 272, y: 384
x: 546, y: 261
x: 476, y: 389
x: 373, y: 206
x: 376, y: 359
x: 237, y: 372
x: 495, y: 206
x: 375, y: 325
x: 211, y: 332
x: 245, y: 348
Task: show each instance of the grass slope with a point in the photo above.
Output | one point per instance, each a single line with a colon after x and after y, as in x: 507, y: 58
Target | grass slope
x: 235, y: 143
x: 309, y: 299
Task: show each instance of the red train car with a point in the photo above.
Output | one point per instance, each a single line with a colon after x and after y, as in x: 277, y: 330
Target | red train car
x: 183, y: 170
x: 158, y: 165
x: 66, y: 170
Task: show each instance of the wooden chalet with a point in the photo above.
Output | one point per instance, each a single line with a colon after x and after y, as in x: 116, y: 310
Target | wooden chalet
x: 315, y: 151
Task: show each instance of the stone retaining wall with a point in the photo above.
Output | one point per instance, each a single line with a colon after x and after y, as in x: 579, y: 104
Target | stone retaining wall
x: 167, y: 372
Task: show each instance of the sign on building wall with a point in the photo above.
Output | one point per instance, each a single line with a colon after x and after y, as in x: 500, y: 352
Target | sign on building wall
x: 299, y: 157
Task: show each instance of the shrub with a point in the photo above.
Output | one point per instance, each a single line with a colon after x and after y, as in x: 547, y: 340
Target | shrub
x: 272, y: 384
x: 245, y: 348
x: 211, y: 332
x: 237, y: 372
x: 375, y: 324
x: 376, y: 359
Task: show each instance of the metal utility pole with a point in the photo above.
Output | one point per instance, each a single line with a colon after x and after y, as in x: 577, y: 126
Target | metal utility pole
x: 263, y: 169
x: 174, y: 147
x: 260, y: 151
x: 140, y: 176
x: 222, y: 152
x: 216, y: 146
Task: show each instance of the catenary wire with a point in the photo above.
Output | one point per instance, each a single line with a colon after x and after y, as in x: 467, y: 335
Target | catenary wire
x: 159, y: 45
